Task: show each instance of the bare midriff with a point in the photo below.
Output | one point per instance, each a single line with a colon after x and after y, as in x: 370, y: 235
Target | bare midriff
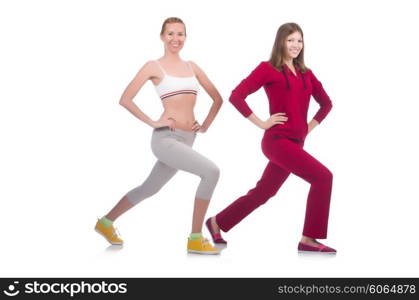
x: 181, y: 109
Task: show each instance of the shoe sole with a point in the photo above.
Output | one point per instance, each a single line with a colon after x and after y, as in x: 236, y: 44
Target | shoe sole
x: 115, y: 244
x: 303, y: 251
x: 203, y: 252
x: 220, y: 246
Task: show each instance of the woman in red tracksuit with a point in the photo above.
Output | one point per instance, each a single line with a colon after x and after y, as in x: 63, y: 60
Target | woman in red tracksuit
x: 288, y: 84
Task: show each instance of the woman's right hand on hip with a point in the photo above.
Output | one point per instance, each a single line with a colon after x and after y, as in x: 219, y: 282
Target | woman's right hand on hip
x: 275, y: 119
x: 169, y: 122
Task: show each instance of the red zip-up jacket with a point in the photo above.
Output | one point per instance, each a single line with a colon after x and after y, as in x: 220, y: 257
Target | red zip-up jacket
x: 286, y: 93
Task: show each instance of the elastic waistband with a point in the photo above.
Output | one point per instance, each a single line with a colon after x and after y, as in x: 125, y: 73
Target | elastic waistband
x: 276, y: 135
x: 177, y: 131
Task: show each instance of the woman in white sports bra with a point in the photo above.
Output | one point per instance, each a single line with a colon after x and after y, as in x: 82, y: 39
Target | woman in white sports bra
x: 176, y: 83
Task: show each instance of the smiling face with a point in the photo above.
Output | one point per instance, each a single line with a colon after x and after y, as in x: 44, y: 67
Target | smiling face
x: 293, y: 45
x: 173, y: 37
x: 288, y: 47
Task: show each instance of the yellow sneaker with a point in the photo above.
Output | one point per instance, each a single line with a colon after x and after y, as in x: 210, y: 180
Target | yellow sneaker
x: 109, y: 233
x: 201, y: 246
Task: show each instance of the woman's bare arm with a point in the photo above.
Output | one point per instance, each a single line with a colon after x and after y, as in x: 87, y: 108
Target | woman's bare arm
x: 212, y: 92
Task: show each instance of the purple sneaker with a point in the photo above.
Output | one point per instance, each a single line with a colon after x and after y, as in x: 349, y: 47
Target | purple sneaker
x: 216, y: 237
x: 322, y: 248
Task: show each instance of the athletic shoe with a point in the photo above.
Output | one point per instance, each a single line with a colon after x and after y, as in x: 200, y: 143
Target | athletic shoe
x: 110, y: 233
x: 201, y: 246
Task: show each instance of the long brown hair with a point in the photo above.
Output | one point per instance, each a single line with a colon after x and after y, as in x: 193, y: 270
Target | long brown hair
x: 277, y: 59
x: 171, y: 20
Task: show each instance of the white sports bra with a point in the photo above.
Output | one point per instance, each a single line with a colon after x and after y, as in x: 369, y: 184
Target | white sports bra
x: 173, y: 85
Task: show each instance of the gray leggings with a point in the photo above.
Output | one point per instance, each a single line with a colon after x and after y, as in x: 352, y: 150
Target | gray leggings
x: 174, y: 152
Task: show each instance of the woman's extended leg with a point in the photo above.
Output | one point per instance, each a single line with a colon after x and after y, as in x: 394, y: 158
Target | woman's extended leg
x: 159, y: 176
x: 272, y: 179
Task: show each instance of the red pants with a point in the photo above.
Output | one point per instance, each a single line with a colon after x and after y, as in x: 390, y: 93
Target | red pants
x: 286, y: 156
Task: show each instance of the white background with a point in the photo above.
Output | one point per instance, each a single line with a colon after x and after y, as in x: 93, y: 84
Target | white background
x: 69, y: 152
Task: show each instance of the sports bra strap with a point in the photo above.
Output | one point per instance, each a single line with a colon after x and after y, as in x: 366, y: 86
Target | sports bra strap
x: 190, y: 67
x: 160, y: 66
